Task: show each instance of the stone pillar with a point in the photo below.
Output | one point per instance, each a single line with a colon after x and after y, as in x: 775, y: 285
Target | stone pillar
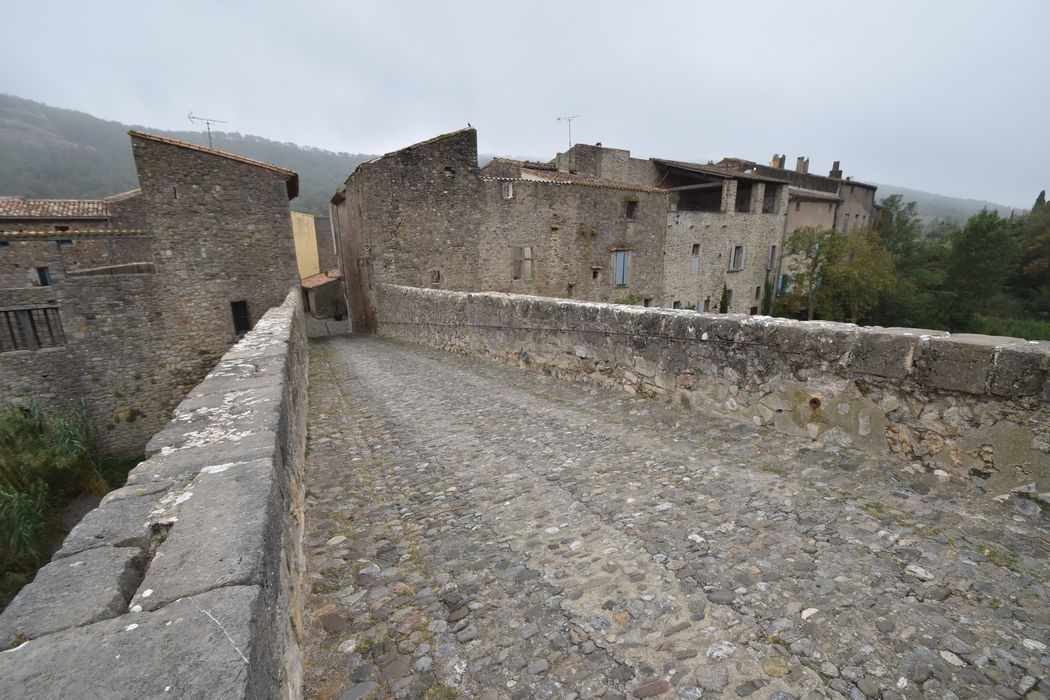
x: 758, y: 193
x: 728, y: 196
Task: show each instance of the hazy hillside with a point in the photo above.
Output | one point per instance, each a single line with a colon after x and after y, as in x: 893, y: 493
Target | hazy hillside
x: 51, y: 152
x: 938, y: 207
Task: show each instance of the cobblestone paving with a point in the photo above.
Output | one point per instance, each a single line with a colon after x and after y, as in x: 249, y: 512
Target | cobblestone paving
x: 480, y: 531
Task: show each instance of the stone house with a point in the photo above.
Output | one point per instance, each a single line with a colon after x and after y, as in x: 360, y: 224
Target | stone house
x: 148, y: 289
x: 593, y: 223
x: 321, y: 280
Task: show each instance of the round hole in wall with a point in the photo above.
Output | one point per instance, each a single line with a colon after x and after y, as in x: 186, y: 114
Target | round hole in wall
x: 814, y: 403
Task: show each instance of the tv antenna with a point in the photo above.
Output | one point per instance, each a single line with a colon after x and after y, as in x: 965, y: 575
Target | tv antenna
x: 207, y: 124
x: 569, y: 121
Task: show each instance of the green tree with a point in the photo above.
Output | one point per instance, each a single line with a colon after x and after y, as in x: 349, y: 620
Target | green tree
x: 983, y: 257
x: 723, y: 302
x: 898, y: 226
x: 854, y: 279
x: 812, y: 250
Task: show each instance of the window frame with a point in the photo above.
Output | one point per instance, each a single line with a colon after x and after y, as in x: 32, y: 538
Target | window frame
x: 520, y: 255
x: 621, y: 273
x: 737, y: 263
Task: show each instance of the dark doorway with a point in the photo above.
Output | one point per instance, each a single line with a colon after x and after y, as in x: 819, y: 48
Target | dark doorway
x: 242, y: 320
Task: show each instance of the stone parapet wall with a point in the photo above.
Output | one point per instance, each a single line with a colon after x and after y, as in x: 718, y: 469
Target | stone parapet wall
x: 968, y: 406
x: 186, y: 581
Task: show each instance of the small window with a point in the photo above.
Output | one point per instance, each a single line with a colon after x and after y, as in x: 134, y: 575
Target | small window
x: 772, y: 257
x: 449, y: 171
x: 5, y: 244
x: 695, y: 265
x: 707, y: 304
x: 647, y: 302
x: 594, y: 273
x: 175, y: 192
x: 435, y: 276
x: 758, y: 292
x: 754, y: 311
x: 632, y: 209
x: 30, y: 329
x: 522, y: 263
x: 242, y: 320
x: 44, y: 275
x: 65, y: 243
x: 61, y: 228
x: 676, y: 305
x: 622, y: 262
x: 737, y: 258
x: 508, y: 190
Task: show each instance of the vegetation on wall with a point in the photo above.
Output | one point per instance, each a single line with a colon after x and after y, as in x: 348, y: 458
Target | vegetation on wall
x: 47, y: 461
x: 991, y: 275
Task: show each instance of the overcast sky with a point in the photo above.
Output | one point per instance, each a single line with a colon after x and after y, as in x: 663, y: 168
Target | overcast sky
x: 950, y: 97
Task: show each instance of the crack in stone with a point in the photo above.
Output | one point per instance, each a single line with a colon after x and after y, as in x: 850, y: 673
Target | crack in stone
x: 219, y: 624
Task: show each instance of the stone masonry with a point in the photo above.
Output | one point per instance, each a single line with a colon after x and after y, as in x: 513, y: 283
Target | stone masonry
x: 186, y: 581
x: 140, y: 333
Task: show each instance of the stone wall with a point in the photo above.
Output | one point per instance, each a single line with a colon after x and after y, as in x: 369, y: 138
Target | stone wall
x: 187, y: 581
x: 19, y: 261
x: 716, y: 233
x: 969, y: 406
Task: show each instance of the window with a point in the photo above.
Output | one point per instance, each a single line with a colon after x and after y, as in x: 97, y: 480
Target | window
x: 449, y: 171
x: 676, y: 305
x: 632, y: 209
x: 522, y: 263
x: 65, y: 243
x: 508, y: 190
x: 758, y: 292
x: 772, y: 257
x: 647, y: 302
x: 30, y: 329
x: 5, y: 244
x: 242, y: 320
x: 696, y: 259
x: 44, y: 275
x: 622, y: 259
x: 754, y: 311
x: 707, y: 304
x: 594, y: 272
x: 737, y: 258
x: 435, y: 276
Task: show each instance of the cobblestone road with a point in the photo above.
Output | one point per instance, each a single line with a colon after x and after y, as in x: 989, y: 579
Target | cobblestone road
x: 480, y: 531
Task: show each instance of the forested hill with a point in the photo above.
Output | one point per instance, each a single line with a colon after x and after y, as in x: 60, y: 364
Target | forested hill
x: 51, y: 152
x: 61, y: 153
x: 932, y: 208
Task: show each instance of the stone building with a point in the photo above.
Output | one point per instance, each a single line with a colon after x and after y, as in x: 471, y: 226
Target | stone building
x: 148, y: 289
x: 593, y: 223
x: 321, y: 280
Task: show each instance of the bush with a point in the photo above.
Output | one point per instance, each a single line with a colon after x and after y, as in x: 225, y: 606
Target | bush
x: 46, y: 460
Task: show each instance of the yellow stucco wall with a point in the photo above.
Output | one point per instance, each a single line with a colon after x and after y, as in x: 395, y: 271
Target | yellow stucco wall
x: 305, y: 236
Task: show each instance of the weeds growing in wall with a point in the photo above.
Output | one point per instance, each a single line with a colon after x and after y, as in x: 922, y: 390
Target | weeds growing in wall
x: 47, y: 460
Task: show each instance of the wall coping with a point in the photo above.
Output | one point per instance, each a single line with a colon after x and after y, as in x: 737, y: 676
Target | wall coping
x: 192, y: 565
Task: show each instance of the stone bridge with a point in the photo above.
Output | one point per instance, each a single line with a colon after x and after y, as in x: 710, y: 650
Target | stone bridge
x: 713, y: 507
x: 484, y: 529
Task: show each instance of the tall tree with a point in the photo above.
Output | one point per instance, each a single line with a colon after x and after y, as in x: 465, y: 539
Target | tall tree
x: 855, y: 279
x: 982, y: 258
x: 811, y: 250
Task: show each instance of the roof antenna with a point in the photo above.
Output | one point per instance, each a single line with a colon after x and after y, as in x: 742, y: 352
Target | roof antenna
x: 207, y: 124
x: 569, y: 120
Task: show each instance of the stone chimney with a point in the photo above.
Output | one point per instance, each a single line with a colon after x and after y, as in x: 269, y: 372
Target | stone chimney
x: 775, y: 163
x: 836, y: 171
x: 802, y: 165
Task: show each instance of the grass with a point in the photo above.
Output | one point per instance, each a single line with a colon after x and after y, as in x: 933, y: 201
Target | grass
x: 47, y: 460
x: 1027, y: 328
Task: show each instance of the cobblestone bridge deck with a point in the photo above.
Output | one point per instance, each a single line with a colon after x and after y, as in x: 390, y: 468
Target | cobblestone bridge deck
x: 480, y: 531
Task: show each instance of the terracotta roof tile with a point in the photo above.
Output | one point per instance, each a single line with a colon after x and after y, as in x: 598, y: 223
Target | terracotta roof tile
x: 24, y: 208
x: 79, y: 233
x: 321, y: 278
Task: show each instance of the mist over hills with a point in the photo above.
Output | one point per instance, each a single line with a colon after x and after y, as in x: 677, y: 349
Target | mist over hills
x: 51, y: 152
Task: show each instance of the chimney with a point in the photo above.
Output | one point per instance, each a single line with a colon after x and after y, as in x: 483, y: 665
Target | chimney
x: 836, y: 171
x: 775, y: 163
x: 802, y: 165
